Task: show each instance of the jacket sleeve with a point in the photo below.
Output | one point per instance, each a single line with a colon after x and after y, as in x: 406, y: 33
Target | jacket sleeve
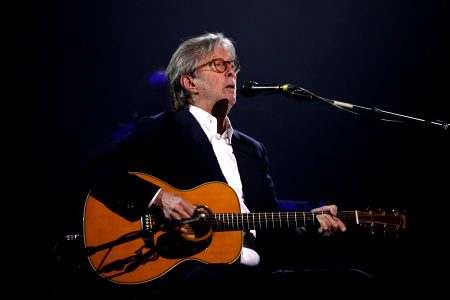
x: 106, y: 174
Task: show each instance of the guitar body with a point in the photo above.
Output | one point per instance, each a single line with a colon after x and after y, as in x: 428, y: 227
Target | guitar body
x: 137, y: 260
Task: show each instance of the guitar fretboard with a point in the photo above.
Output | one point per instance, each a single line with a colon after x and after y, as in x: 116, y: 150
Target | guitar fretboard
x: 278, y: 220
x: 270, y: 220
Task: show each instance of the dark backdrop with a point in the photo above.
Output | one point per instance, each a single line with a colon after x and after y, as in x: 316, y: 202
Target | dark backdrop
x: 96, y: 66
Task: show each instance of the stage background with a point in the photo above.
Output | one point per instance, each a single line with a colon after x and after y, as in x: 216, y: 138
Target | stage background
x: 97, y: 66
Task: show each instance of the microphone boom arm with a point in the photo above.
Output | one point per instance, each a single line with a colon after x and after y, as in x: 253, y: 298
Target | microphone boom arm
x: 302, y: 94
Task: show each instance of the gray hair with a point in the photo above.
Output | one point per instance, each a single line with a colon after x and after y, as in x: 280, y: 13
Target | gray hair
x: 185, y: 59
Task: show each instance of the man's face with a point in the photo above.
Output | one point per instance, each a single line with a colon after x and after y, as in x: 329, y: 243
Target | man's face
x: 214, y: 86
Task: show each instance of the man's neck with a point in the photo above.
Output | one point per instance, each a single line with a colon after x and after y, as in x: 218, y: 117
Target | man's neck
x: 220, y: 112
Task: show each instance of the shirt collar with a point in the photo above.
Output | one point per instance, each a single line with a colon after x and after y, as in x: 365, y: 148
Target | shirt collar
x: 209, y: 123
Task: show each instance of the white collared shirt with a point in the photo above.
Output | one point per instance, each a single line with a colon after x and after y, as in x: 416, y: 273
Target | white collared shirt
x: 221, y: 144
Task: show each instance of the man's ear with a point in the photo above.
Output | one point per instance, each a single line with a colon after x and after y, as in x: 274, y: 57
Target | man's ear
x: 187, y: 82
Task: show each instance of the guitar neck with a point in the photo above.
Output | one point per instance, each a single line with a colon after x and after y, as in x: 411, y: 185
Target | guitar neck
x: 386, y: 220
x: 272, y: 220
x: 375, y: 220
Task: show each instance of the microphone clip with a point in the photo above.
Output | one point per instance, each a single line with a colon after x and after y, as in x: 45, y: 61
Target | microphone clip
x: 302, y: 94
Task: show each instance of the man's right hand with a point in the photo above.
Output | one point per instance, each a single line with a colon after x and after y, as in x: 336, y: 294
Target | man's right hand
x: 173, y: 206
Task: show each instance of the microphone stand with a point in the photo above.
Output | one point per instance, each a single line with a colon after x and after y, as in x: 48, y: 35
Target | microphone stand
x: 302, y: 94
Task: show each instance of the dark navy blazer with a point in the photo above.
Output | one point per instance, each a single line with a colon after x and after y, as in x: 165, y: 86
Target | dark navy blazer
x: 173, y: 147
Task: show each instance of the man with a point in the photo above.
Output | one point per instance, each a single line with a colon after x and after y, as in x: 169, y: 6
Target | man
x: 185, y: 148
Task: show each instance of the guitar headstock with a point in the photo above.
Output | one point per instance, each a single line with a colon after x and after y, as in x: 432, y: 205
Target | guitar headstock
x: 386, y: 221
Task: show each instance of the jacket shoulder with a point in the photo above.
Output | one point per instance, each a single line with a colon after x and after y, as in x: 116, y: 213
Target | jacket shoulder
x: 246, y: 139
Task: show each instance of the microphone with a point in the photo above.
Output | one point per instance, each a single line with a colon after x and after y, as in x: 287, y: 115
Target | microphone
x: 252, y: 88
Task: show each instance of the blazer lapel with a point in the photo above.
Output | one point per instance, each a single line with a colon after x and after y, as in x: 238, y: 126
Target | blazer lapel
x: 249, y: 165
x: 197, y: 145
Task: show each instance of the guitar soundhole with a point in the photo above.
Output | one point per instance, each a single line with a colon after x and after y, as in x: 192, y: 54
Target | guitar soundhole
x: 174, y: 245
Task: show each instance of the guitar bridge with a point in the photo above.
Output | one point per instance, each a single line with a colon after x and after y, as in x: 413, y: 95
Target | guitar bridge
x: 148, y: 223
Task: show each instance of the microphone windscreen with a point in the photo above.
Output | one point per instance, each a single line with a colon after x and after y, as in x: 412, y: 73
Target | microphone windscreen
x: 246, y: 89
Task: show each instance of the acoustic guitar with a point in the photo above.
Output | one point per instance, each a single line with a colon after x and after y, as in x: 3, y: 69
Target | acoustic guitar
x: 136, y: 252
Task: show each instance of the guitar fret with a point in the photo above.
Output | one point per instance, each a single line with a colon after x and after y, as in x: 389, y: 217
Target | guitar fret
x: 231, y: 220
x: 246, y: 215
x: 223, y: 219
x: 222, y: 223
x: 273, y: 222
x: 234, y: 221
x: 259, y: 220
x: 253, y: 217
x: 242, y: 222
x: 248, y: 223
x: 265, y: 216
x: 239, y: 223
x: 217, y: 221
x: 227, y: 217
